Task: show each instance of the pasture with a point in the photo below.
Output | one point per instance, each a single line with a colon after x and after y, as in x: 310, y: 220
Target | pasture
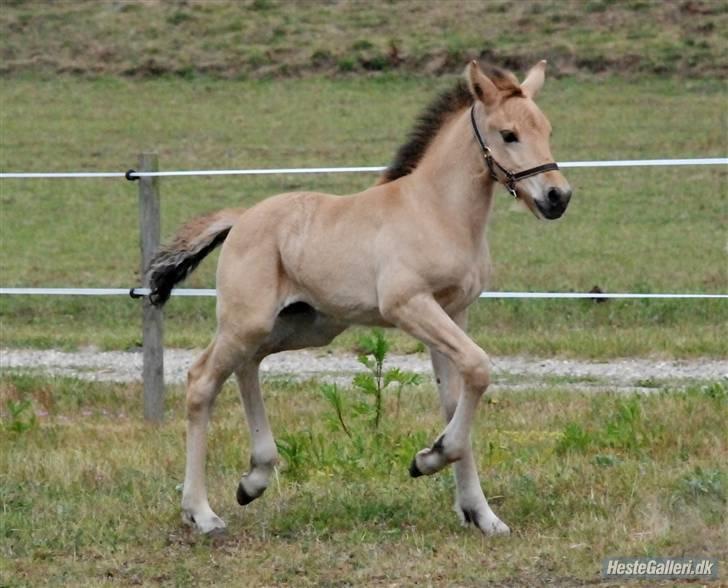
x: 274, y: 38
x: 647, y: 230
x: 90, y: 492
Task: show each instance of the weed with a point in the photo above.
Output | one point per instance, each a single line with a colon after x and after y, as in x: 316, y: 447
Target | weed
x: 21, y: 417
x: 606, y: 460
x: 347, y: 64
x: 331, y: 393
x: 705, y: 490
x: 716, y: 390
x: 700, y: 483
x: 292, y: 447
x: 374, y: 347
x: 623, y: 430
x: 178, y: 17
x: 574, y: 438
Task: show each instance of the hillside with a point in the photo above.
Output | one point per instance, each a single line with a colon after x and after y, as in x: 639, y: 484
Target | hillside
x: 272, y: 38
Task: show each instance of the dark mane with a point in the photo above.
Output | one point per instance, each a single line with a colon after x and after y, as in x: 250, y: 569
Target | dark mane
x: 425, y: 129
x: 434, y: 117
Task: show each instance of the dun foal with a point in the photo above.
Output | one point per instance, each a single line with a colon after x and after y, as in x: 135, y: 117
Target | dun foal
x: 297, y: 269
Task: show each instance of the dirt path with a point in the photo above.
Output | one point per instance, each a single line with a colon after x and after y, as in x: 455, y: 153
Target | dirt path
x: 510, y: 372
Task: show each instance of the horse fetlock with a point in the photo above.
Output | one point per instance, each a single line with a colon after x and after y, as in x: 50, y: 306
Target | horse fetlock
x: 203, y: 520
x: 482, y: 518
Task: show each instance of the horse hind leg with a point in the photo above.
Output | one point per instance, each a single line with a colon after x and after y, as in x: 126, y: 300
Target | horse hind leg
x: 264, y: 454
x: 204, y: 381
x: 295, y: 328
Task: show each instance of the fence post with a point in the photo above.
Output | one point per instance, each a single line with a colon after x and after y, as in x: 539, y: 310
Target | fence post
x: 152, y: 328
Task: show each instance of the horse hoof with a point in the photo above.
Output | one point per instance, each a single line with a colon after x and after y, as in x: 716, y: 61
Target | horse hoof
x: 243, y: 497
x: 217, y: 532
x: 212, y: 526
x: 414, y: 471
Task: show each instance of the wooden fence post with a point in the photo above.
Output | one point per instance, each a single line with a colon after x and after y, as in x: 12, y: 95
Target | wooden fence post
x: 149, y: 234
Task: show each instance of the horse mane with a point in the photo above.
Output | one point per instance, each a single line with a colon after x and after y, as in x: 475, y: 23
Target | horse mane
x: 433, y: 118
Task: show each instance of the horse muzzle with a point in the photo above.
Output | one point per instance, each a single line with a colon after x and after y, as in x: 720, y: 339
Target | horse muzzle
x: 554, y: 204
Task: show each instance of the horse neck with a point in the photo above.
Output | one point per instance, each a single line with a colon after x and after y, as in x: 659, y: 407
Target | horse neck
x: 455, y: 175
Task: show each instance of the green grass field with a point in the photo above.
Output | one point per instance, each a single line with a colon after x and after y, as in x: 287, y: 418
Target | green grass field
x: 89, y: 492
x: 645, y: 230
x: 274, y: 38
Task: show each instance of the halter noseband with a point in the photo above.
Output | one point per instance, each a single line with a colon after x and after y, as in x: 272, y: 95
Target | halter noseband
x: 510, y: 177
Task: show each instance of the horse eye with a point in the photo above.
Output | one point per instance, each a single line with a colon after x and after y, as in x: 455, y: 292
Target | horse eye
x: 509, y: 136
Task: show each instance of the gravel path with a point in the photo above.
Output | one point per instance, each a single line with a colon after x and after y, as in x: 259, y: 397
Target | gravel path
x: 510, y: 372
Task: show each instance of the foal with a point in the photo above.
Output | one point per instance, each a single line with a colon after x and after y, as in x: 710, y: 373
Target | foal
x: 292, y: 273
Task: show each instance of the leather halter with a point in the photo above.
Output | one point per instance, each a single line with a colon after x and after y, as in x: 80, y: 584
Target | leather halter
x: 510, y: 178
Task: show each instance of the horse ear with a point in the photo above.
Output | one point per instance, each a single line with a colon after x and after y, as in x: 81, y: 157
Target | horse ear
x: 480, y: 85
x: 534, y: 79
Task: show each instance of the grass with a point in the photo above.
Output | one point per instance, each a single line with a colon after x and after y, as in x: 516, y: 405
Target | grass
x: 650, y: 230
x: 89, y: 492
x: 272, y: 38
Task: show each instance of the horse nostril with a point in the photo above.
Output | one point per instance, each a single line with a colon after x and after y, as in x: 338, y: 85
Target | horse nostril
x: 554, y: 195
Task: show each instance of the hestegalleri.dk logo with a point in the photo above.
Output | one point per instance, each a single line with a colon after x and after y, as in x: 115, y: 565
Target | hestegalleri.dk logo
x: 660, y: 567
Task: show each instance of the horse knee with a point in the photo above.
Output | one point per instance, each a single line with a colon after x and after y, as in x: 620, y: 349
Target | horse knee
x: 477, y: 371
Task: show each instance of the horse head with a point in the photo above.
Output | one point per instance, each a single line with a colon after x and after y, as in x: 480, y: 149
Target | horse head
x: 515, y: 135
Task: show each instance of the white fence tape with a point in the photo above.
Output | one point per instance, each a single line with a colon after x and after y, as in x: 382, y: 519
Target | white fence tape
x: 341, y: 170
x: 211, y: 292
x: 328, y: 170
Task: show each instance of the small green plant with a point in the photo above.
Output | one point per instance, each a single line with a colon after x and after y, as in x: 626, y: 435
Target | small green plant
x: 624, y: 429
x: 711, y: 483
x: 705, y: 489
x: 606, y: 460
x: 292, y: 448
x: 372, y: 384
x: 331, y: 393
x: 574, y: 438
x: 374, y: 348
x: 347, y: 64
x: 21, y: 415
x: 717, y: 391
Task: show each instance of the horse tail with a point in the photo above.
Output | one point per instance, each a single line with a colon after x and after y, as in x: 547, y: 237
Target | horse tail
x: 190, y: 245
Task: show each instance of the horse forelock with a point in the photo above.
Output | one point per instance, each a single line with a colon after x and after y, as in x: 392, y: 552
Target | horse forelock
x: 433, y: 118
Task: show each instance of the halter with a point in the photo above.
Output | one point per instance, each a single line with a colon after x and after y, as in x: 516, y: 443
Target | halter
x: 510, y: 177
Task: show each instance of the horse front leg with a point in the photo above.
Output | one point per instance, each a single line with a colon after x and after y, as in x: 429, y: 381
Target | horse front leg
x: 423, y: 318
x: 465, y: 375
x: 471, y: 505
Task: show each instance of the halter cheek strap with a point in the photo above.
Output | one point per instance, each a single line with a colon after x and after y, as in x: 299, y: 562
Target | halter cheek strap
x: 509, y: 178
